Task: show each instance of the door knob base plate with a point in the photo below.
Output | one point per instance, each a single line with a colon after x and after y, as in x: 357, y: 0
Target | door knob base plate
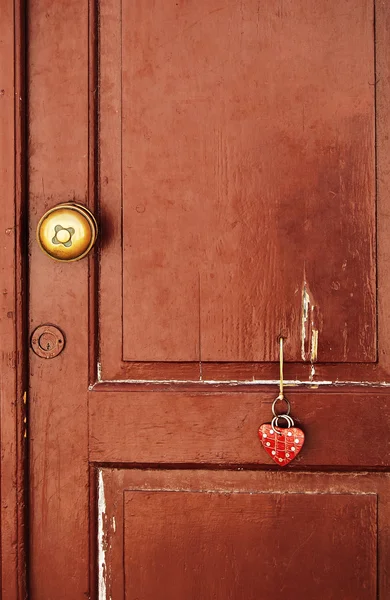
x: 47, y: 341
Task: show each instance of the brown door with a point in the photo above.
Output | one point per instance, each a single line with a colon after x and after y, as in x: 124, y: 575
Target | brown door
x: 236, y: 155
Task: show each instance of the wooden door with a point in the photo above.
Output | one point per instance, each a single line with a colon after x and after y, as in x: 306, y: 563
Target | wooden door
x: 237, y: 158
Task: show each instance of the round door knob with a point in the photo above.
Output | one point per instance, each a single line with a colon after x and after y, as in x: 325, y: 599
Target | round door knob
x: 67, y: 232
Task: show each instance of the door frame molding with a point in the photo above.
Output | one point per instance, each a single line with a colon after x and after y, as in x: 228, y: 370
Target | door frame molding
x: 13, y: 329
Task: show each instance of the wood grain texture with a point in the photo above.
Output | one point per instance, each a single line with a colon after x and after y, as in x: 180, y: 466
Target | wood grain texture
x: 111, y: 361
x: 341, y: 429
x: 209, y: 180
x: 213, y: 545
x: 225, y: 534
x: 382, y: 83
x: 58, y: 171
x: 12, y: 322
x: 131, y: 427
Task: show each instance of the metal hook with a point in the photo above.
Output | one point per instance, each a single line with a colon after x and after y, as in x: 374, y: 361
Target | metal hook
x: 281, y: 393
x: 281, y: 397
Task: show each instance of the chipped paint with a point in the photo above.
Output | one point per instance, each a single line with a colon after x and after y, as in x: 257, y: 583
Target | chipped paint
x: 232, y: 491
x: 113, y: 524
x: 309, y: 326
x: 314, y: 345
x: 99, y: 371
x: 313, y: 353
x: 295, y: 383
x: 102, y: 590
x: 305, y: 318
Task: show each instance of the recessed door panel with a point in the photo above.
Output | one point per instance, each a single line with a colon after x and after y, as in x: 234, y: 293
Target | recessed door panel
x: 241, y: 535
x: 237, y: 159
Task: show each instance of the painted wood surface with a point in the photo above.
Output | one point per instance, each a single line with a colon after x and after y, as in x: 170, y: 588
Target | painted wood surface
x: 347, y: 430
x: 237, y: 538
x: 208, y: 224
x: 242, y: 534
x: 118, y: 119
x: 12, y: 322
x: 247, y: 152
x: 58, y: 171
x: 112, y: 349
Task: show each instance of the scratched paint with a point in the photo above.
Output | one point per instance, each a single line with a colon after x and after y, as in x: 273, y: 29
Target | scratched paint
x: 305, y: 318
x: 313, y: 353
x: 295, y: 383
x: 99, y: 371
x: 102, y: 590
x: 314, y: 345
x: 309, y: 328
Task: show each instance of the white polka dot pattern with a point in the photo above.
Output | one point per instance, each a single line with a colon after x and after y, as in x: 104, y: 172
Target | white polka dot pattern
x: 277, y: 442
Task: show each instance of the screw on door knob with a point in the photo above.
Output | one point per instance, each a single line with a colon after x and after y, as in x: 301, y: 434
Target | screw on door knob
x: 63, y: 235
x: 67, y: 232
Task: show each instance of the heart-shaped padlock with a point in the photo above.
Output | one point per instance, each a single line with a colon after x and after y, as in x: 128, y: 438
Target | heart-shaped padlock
x: 283, y: 444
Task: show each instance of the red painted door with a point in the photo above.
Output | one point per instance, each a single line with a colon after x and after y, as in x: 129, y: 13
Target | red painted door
x: 236, y: 157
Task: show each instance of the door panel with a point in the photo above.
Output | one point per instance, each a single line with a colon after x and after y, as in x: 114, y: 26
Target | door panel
x: 231, y: 155
x: 239, y: 535
x: 230, y: 170
x: 201, y: 545
x: 349, y: 430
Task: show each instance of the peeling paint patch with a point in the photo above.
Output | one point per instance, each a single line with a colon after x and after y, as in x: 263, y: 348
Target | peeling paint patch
x: 309, y: 326
x: 312, y: 372
x: 305, y: 318
x: 314, y: 345
x: 313, y: 353
x: 102, y: 590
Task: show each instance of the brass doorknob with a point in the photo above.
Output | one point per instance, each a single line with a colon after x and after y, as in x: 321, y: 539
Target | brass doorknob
x: 67, y: 232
